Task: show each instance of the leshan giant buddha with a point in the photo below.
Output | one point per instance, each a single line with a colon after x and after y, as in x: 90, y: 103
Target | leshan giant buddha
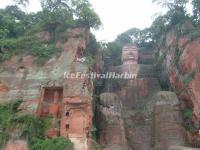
x: 130, y: 54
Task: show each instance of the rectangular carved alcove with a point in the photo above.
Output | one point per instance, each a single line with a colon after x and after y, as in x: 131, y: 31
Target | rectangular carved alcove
x: 53, y: 94
x: 50, y: 101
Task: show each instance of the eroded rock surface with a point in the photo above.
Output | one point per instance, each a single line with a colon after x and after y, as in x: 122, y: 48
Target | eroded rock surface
x: 17, y: 145
x: 182, y: 68
x: 168, y: 123
x: 46, y: 92
x: 109, y: 121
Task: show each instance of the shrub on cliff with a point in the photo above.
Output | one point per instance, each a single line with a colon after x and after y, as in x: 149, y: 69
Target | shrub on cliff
x: 59, y: 143
x: 91, y: 51
x: 27, y: 45
x: 28, y: 127
x: 18, y: 29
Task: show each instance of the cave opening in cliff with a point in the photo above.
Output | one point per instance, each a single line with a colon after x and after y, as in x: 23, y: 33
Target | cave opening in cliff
x: 67, y: 114
x: 67, y: 126
x: 80, y: 52
x: 80, y: 55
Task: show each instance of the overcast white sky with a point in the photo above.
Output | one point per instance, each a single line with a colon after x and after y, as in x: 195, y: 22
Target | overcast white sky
x: 117, y: 16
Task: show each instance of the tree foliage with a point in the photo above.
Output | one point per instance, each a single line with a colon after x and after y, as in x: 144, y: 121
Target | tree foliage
x: 86, y: 15
x: 59, y: 143
x: 29, y: 127
x: 80, y: 9
x: 18, y: 28
x: 55, y: 5
x: 170, y: 4
x: 196, y: 10
x: 22, y: 2
x: 65, y: 13
x: 12, y: 22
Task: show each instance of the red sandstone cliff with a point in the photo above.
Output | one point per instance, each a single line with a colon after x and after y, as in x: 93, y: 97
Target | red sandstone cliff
x: 182, y: 64
x: 179, y: 61
x: 45, y: 91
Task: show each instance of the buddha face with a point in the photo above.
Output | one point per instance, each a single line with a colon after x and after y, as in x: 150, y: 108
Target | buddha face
x: 130, y: 54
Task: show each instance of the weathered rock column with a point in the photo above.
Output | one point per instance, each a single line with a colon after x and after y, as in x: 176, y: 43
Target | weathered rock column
x: 76, y: 115
x: 168, y: 123
x: 109, y: 121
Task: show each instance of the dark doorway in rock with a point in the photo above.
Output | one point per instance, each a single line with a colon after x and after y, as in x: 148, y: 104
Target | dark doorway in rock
x: 67, y: 126
x: 67, y: 114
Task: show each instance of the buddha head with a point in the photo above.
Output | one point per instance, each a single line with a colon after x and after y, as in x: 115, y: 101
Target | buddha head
x: 130, y: 54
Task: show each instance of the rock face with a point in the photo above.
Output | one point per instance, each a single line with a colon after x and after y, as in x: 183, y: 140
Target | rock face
x: 17, y: 145
x: 22, y: 78
x: 3, y: 88
x: 45, y: 91
x: 137, y: 101
x: 182, y: 66
x: 109, y: 121
x: 76, y: 117
x: 168, y: 125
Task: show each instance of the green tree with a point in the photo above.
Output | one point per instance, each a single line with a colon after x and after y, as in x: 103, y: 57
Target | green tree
x: 112, y: 54
x: 22, y: 2
x: 124, y: 39
x: 196, y: 10
x: 171, y: 3
x: 86, y: 15
x: 142, y: 38
x: 55, y: 5
x: 158, y: 27
x: 176, y: 14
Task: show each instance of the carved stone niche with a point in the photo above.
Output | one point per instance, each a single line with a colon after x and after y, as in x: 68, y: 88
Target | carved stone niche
x: 3, y: 87
x: 50, y: 101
